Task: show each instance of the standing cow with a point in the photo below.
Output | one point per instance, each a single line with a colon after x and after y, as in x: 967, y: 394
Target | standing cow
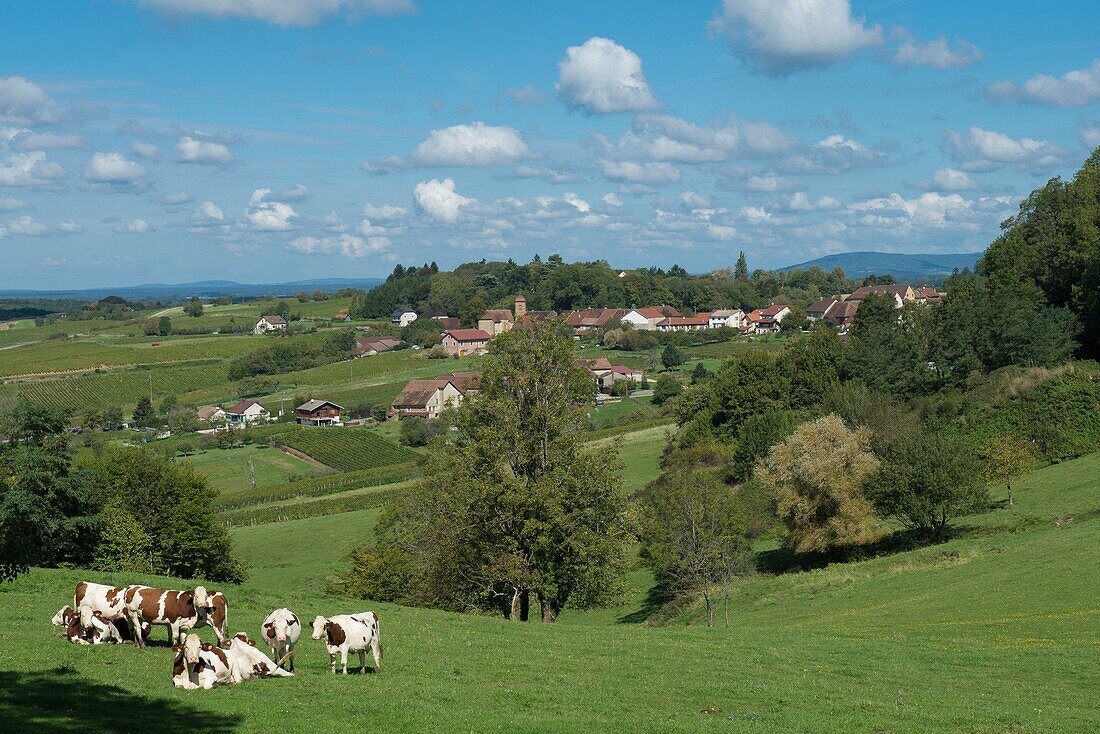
x: 109, y: 601
x: 179, y: 611
x: 350, y: 632
x: 281, y: 631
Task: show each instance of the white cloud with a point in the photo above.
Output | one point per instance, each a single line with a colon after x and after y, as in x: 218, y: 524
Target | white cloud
x: 471, y: 145
x: 144, y: 150
x: 799, y: 202
x: 113, y: 168
x: 694, y: 200
x: 987, y: 150
x: 649, y: 174
x: 30, y: 170
x: 603, y: 77
x: 7, y: 204
x: 528, y: 94
x: 669, y: 138
x: 180, y: 197
x: 347, y: 245
x: 930, y: 209
x: 208, y: 211
x: 952, y: 179
x: 269, y: 216
x: 439, y: 200
x: 282, y: 12
x: 1090, y: 136
x: 781, y: 36
x: 23, y: 102
x: 27, y: 226
x: 835, y: 154
x: 384, y: 212
x: 383, y: 166
x: 552, y: 175
x: 612, y: 200
x: 1073, y: 89
x: 937, y: 54
x: 134, y: 226
x: 578, y: 203
x: 202, y: 151
x: 297, y: 192
x: 27, y: 140
x: 69, y: 226
x: 767, y: 183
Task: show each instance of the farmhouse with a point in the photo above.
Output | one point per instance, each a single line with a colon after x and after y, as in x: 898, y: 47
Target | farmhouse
x: 366, y: 346
x: 403, y: 317
x: 246, y: 413
x: 590, y: 319
x: 606, y: 374
x: 902, y: 294
x: 341, y: 316
x: 646, y: 319
x: 496, y: 321
x: 461, y: 342
x: 726, y: 317
x: 210, y: 414
x: 319, y: 413
x: 926, y: 294
x: 685, y: 323
x: 425, y: 398
x: 769, y: 319
x: 267, y: 324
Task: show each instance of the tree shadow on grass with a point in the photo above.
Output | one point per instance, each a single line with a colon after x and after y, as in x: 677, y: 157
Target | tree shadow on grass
x: 61, y: 701
x: 784, y: 560
x: 655, y: 598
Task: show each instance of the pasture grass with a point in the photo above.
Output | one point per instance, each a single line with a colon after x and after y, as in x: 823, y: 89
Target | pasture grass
x: 228, y: 469
x: 995, y: 630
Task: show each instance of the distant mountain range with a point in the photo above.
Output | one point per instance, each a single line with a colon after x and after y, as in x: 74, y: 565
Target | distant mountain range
x: 202, y: 288
x: 901, y: 266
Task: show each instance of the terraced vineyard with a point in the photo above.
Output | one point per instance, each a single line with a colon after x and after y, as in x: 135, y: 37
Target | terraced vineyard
x: 120, y: 388
x: 346, y: 449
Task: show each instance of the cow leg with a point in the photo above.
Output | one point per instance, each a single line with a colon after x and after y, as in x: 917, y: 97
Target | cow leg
x: 135, y: 625
x: 332, y: 657
x: 344, y: 659
x: 362, y: 662
x: 376, y: 652
x: 290, y: 660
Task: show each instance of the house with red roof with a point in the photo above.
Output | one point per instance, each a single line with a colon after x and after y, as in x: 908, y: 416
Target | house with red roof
x: 462, y: 342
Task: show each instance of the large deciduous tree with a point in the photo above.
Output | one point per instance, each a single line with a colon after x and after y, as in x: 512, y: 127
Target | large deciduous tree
x: 514, y: 511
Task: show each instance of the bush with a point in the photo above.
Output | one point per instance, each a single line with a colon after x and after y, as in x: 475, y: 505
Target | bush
x: 124, y: 545
x: 416, y: 431
x: 667, y: 388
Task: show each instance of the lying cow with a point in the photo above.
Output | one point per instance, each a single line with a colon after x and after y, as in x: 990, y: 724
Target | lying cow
x: 281, y: 631
x: 179, y: 611
x: 199, y: 665
x: 350, y: 633
x: 68, y: 618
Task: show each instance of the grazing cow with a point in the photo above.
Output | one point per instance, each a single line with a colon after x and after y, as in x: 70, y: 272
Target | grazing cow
x: 350, y: 632
x: 281, y: 631
x: 248, y: 661
x: 200, y: 666
x: 179, y: 611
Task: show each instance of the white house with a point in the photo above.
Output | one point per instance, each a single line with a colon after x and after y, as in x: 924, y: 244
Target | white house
x: 267, y: 324
x: 403, y: 317
x: 731, y: 317
x: 246, y: 413
x: 646, y: 319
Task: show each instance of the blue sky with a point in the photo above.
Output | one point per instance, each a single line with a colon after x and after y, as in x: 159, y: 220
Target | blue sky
x: 260, y: 140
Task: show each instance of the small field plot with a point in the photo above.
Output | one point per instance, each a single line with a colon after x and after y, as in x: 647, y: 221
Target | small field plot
x: 233, y: 469
x: 346, y: 449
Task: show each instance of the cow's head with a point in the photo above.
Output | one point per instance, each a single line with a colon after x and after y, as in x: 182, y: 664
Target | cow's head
x: 85, y: 617
x: 192, y: 646
x: 279, y: 625
x: 242, y: 637
x: 64, y: 616
x: 203, y: 601
x: 318, y: 625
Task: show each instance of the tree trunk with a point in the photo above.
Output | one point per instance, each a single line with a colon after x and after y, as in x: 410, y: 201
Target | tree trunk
x: 1010, y: 495
x: 513, y: 614
x: 549, y: 614
x: 524, y: 605
x: 710, y: 613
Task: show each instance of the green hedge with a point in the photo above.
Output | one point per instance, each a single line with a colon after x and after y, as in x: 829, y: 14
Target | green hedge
x: 319, y: 486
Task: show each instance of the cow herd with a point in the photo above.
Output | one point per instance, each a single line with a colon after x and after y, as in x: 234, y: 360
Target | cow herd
x: 102, y: 614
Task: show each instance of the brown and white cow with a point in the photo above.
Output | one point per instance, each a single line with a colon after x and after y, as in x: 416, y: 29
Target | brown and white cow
x: 248, y: 661
x: 350, y: 633
x: 281, y: 631
x: 90, y: 597
x: 68, y: 618
x: 179, y: 611
x: 200, y: 666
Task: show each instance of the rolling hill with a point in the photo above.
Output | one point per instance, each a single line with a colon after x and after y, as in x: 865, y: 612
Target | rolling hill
x: 900, y: 265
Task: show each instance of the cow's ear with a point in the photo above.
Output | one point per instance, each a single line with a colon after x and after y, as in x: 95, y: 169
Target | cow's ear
x: 177, y: 648
x: 293, y: 619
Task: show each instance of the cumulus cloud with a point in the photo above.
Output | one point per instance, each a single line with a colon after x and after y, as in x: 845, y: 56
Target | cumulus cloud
x: 672, y: 139
x: 297, y: 192
x: 835, y: 154
x: 601, y: 76
x: 383, y: 166
x: 1089, y: 135
x: 269, y: 216
x: 31, y: 171
x: 27, y: 226
x: 144, y: 150
x: 113, y: 169
x: 694, y: 200
x: 952, y: 179
x: 29, y: 140
x: 23, y: 102
x: 8, y: 204
x: 471, y: 145
x: 937, y: 53
x: 781, y: 36
x: 612, y: 200
x: 987, y: 150
x: 384, y: 212
x: 439, y: 200
x: 929, y: 209
x: 134, y: 226
x: 180, y: 197
x: 206, y: 152
x: 208, y: 211
x: 347, y: 245
x: 281, y: 12
x: 576, y: 202
x: 647, y: 173
x: 799, y: 202
x: 1073, y: 89
x: 528, y: 94
x: 69, y: 226
x: 547, y: 173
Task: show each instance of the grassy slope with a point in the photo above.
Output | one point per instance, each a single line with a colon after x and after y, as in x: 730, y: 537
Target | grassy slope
x: 227, y: 469
x: 988, y: 633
